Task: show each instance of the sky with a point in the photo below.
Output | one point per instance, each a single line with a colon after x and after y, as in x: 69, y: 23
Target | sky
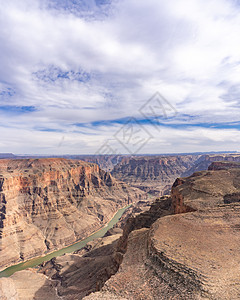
x: 119, y: 76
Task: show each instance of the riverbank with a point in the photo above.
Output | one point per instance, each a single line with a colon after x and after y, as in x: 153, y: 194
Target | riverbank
x: 69, y: 249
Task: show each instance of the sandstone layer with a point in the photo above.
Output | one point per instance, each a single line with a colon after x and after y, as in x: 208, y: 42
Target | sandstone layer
x: 205, y: 160
x: 191, y: 252
x: 67, y: 277
x: 105, y: 162
x: 46, y: 204
x: 185, y: 247
x: 153, y: 174
x: 156, y: 174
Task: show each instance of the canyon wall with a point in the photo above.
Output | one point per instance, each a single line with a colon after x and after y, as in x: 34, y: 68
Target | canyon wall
x: 188, y: 253
x: 185, y: 247
x: 153, y: 174
x: 105, y: 162
x: 46, y: 204
x: 156, y: 174
x: 205, y: 160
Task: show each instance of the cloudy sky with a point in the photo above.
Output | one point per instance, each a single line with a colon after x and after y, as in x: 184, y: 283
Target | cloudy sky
x: 129, y: 76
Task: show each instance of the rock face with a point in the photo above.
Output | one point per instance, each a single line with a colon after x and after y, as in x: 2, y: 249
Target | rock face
x: 105, y: 162
x: 224, y: 165
x: 156, y: 174
x: 185, y: 247
x: 46, y: 204
x: 192, y: 250
x: 77, y: 275
x: 206, y: 189
x: 73, y: 276
x: 153, y: 174
x: 204, y: 161
x: 67, y: 277
x: 28, y: 285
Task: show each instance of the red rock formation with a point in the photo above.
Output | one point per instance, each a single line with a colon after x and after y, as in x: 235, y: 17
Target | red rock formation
x: 223, y: 165
x: 193, y: 255
x: 204, y: 161
x: 46, y: 204
x: 184, y: 247
x: 153, y: 174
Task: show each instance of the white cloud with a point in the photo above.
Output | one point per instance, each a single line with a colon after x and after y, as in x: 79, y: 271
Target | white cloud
x: 189, y: 51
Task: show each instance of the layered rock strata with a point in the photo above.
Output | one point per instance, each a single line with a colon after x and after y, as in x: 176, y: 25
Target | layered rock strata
x: 153, y: 174
x: 190, y: 253
x: 67, y: 277
x: 185, y: 247
x: 156, y: 174
x: 204, y: 161
x: 46, y: 204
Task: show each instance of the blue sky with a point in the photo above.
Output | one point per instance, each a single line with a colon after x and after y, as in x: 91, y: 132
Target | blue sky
x: 74, y: 72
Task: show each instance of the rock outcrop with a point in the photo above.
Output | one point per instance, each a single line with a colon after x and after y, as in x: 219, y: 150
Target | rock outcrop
x: 224, y: 165
x: 105, y: 162
x: 156, y: 174
x: 185, y: 247
x: 204, y: 161
x: 153, y: 174
x: 78, y: 275
x: 46, y: 204
x: 206, y: 189
x: 191, y: 252
x: 28, y: 285
x: 67, y: 277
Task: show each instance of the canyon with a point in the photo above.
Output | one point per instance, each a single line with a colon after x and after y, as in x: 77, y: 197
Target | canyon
x: 46, y: 204
x: 156, y: 174
x: 181, y: 246
x: 189, y: 252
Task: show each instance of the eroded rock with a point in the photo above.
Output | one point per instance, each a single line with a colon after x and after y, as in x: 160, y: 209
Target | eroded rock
x: 46, y: 204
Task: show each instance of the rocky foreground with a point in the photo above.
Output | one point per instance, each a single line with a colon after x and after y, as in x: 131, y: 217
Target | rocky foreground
x: 192, y: 253
x: 46, y: 204
x: 184, y: 247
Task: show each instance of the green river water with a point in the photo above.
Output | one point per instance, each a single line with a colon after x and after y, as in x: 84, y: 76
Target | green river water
x: 77, y: 246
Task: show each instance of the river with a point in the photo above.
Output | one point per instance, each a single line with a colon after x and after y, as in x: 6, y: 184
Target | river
x: 76, y: 246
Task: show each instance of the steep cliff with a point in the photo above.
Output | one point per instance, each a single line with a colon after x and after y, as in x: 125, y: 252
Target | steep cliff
x: 153, y: 174
x: 189, y: 252
x: 204, y: 161
x: 206, y: 189
x: 73, y: 276
x: 185, y: 247
x: 156, y: 174
x: 105, y: 162
x: 46, y: 204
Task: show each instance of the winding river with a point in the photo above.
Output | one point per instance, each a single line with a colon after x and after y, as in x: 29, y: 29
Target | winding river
x: 77, y: 246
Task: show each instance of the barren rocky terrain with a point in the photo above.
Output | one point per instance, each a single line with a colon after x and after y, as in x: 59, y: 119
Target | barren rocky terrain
x: 156, y: 174
x: 105, y: 162
x: 153, y: 174
x: 185, y: 246
x: 46, y: 204
x: 190, y: 253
